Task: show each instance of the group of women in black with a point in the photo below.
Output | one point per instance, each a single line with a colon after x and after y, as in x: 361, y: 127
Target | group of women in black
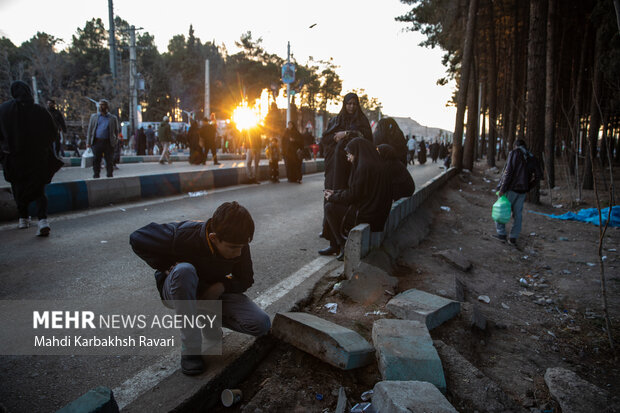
x: 361, y: 180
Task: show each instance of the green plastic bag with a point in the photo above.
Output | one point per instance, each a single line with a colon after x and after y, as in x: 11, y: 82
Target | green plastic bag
x: 502, y: 210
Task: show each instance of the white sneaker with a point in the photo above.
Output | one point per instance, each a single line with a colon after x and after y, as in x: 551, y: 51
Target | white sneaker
x: 23, y: 223
x: 44, y: 228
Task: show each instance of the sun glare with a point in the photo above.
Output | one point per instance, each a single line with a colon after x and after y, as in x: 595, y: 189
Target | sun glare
x: 247, y: 117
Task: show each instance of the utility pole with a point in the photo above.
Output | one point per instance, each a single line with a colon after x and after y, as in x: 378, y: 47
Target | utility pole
x: 133, y: 90
x: 35, y: 90
x: 207, y: 91
x: 288, y: 86
x: 112, y: 40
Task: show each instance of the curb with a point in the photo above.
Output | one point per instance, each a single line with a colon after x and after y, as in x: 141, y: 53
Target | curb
x: 84, y: 194
x: 179, y: 157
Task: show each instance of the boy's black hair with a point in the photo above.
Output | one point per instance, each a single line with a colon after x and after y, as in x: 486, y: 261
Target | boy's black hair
x: 233, y: 223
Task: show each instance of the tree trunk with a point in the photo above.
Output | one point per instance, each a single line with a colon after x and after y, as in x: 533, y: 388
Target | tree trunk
x: 468, y: 51
x: 472, y: 124
x: 535, y: 107
x: 483, y: 129
x: 595, y: 115
x: 492, y: 90
x: 550, y: 97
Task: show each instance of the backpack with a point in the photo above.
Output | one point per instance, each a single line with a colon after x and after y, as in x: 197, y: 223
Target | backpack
x: 533, y: 170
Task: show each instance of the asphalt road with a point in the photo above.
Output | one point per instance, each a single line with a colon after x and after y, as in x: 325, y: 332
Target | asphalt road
x: 88, y: 256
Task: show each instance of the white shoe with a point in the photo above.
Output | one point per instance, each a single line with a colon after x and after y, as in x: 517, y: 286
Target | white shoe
x: 44, y: 228
x: 23, y: 223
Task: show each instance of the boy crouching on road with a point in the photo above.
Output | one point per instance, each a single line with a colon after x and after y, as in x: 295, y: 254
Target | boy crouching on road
x: 197, y: 260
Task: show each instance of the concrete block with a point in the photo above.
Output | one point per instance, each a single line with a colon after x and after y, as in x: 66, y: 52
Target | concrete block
x: 100, y: 400
x: 574, y: 394
x: 367, y: 284
x: 332, y: 343
x: 474, y: 390
x: 104, y: 191
x: 430, y: 309
x: 405, y: 352
x: 228, y: 177
x: 196, y: 181
x: 409, y: 397
x: 353, y: 248
x: 379, y: 259
x: 454, y: 258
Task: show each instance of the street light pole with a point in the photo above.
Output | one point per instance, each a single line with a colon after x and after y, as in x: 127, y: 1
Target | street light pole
x: 133, y: 104
x: 288, y: 86
x: 207, y: 91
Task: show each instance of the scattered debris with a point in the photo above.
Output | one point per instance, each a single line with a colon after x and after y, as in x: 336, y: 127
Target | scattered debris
x: 558, y: 206
x: 562, y: 239
x: 567, y: 272
x: 363, y: 408
x: 376, y: 312
x: 388, y: 292
x: 524, y: 282
x: 332, y: 307
x: 505, y: 306
x: 319, y: 396
x: 532, y: 234
x: 123, y: 209
x: 445, y: 208
x: 484, y: 299
x: 195, y: 194
x: 366, y: 395
x: 590, y: 264
x: 104, y: 242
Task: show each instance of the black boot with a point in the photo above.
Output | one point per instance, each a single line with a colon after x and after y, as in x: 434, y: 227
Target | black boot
x: 329, y: 251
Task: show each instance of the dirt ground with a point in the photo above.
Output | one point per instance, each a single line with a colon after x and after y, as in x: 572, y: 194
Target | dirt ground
x: 554, y: 321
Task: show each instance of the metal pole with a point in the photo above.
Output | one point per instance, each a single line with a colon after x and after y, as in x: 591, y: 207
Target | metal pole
x: 288, y: 86
x: 207, y: 91
x: 35, y: 90
x: 112, y: 40
x: 133, y: 105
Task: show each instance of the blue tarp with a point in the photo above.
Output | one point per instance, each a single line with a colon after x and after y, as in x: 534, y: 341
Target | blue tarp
x: 589, y: 215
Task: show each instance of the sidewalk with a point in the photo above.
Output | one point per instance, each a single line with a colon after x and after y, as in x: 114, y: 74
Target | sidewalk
x: 73, y: 188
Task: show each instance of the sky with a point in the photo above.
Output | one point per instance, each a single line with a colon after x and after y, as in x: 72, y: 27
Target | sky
x: 372, y: 50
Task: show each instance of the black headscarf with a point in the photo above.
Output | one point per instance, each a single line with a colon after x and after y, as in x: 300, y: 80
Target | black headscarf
x: 401, y: 182
x: 27, y: 131
x: 352, y: 122
x: 369, y: 192
x: 337, y: 169
x: 388, y: 132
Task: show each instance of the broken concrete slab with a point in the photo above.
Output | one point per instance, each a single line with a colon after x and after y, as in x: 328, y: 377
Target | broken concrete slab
x: 409, y: 397
x: 430, y: 309
x: 368, y: 284
x: 474, y: 390
x: 459, y: 289
x: 576, y: 395
x: 405, y: 352
x: 454, y: 258
x: 327, y: 341
x: 99, y: 399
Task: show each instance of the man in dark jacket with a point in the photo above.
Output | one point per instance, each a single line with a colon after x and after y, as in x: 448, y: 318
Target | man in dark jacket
x: 197, y: 260
x: 208, y: 132
x: 59, y: 120
x: 27, y: 132
x: 514, y: 183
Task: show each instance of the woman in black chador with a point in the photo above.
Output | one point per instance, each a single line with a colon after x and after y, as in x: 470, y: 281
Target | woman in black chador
x: 401, y: 182
x: 422, y: 152
x: 292, y: 142
x: 367, y: 199
x: 349, y: 123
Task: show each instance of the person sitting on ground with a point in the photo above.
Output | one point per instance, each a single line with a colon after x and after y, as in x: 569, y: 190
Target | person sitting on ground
x: 197, y: 260
x: 400, y: 179
x: 367, y: 199
x: 349, y: 123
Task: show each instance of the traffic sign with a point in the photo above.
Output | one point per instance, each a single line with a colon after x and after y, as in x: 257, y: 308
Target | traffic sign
x: 288, y: 73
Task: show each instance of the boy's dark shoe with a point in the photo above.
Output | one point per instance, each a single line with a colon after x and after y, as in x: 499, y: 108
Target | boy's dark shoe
x: 340, y: 256
x: 512, y: 241
x: 192, y: 365
x: 501, y: 238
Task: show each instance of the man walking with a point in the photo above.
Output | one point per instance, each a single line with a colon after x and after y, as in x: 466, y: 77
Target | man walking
x: 102, y: 137
x: 253, y: 155
x: 59, y: 120
x: 208, y: 132
x: 27, y: 132
x: 150, y: 140
x: 197, y: 260
x: 165, y: 136
x: 514, y: 183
